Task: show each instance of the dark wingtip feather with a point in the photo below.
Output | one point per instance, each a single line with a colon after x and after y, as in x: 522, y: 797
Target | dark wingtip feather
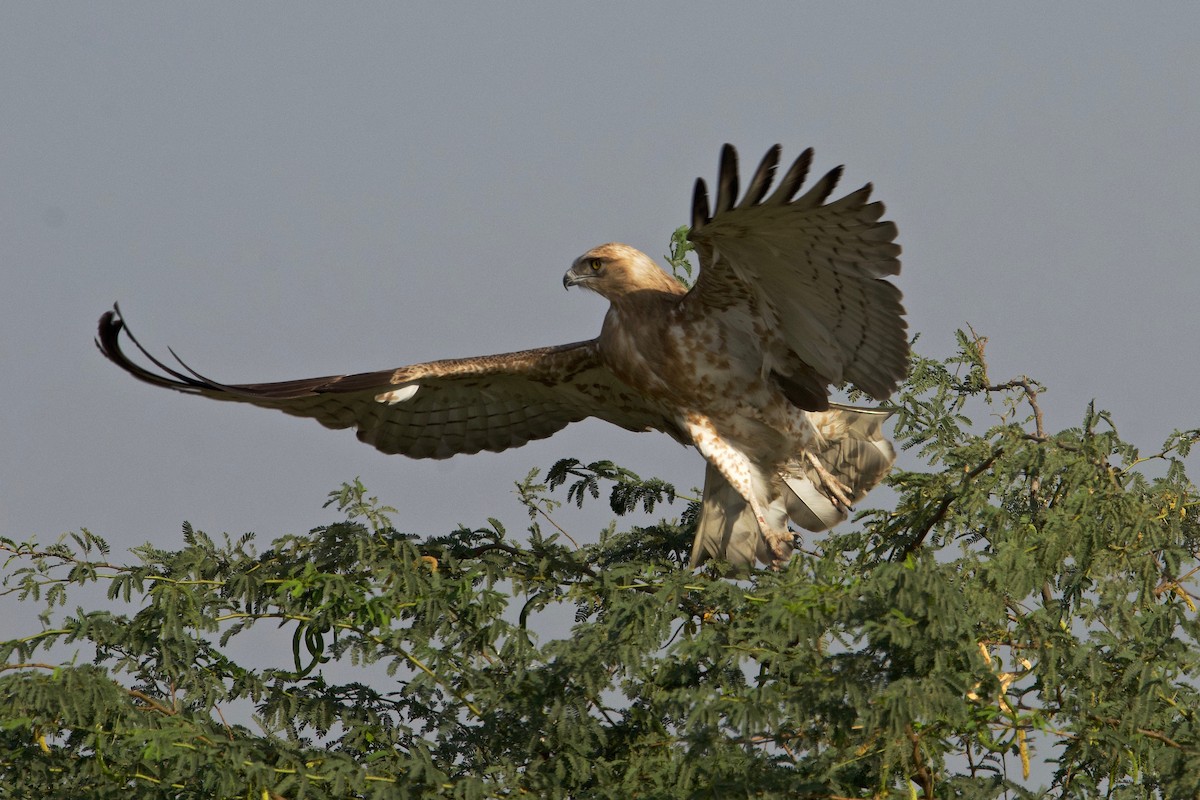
x: 108, y: 339
x: 763, y: 176
x: 700, y: 215
x: 832, y: 177
x: 820, y: 191
x: 727, y: 184
x: 106, y: 335
x: 793, y: 178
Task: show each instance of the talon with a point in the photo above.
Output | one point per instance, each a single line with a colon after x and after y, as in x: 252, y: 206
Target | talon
x: 839, y: 492
x: 780, y: 543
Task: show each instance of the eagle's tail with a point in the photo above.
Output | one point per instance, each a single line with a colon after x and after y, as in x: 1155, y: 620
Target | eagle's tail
x: 855, y: 451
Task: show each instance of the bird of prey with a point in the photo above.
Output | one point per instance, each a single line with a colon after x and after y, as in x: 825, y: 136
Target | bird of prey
x: 792, y: 298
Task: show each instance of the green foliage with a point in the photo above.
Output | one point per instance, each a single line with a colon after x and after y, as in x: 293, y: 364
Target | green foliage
x: 681, y: 267
x: 1030, y: 598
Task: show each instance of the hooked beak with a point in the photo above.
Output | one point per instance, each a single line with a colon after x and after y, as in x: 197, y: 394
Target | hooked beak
x: 570, y: 279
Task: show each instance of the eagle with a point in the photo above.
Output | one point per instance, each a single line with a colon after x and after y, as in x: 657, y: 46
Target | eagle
x: 791, y: 299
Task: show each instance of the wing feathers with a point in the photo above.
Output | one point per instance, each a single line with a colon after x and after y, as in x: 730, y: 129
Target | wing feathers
x: 820, y: 190
x: 761, y: 181
x: 792, y: 180
x: 107, y: 336
x: 436, y: 409
x: 699, y: 205
x: 727, y: 188
x: 809, y: 269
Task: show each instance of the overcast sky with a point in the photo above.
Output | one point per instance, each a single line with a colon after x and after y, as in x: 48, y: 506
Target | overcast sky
x: 285, y: 190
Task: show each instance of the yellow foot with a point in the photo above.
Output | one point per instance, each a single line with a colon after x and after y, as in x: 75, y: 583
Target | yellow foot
x: 780, y: 543
x: 838, y: 491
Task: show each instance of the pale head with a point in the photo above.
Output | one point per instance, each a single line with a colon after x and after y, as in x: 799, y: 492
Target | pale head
x: 615, y: 270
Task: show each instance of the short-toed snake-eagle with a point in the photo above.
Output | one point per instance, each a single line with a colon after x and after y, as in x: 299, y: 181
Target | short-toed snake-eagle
x: 792, y: 298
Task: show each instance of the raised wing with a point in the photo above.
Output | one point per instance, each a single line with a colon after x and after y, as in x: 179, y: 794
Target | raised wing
x: 811, y: 274
x: 432, y: 410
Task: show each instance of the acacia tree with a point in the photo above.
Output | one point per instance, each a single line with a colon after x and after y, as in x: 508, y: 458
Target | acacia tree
x: 1023, y: 620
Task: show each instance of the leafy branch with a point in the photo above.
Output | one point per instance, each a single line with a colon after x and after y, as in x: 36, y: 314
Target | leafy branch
x: 1029, y: 598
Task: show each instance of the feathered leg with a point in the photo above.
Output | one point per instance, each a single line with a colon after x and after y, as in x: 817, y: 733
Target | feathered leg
x: 747, y: 480
x: 727, y: 530
x: 853, y: 449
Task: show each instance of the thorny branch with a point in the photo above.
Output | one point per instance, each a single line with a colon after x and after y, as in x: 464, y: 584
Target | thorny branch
x: 944, y: 506
x: 1031, y: 388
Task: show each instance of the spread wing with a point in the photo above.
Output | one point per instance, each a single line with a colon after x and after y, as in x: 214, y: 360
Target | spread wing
x: 810, y: 274
x: 437, y: 409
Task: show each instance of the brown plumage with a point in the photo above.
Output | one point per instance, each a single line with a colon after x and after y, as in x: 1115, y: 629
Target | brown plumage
x: 791, y: 298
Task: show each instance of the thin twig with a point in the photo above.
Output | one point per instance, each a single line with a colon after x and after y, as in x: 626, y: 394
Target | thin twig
x: 924, y: 776
x: 1032, y: 390
x: 228, y: 729
x: 29, y: 665
x: 151, y: 702
x: 557, y: 526
x: 944, y: 506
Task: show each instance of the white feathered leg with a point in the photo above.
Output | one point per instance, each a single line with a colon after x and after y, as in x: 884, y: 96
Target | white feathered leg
x: 749, y: 481
x: 853, y: 449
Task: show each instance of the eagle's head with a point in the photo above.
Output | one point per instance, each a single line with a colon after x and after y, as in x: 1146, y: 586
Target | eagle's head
x: 615, y: 270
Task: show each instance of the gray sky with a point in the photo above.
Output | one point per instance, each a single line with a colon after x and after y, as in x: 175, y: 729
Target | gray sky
x: 283, y: 190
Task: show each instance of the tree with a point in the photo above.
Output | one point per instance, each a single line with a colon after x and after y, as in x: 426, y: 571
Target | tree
x: 1030, y: 598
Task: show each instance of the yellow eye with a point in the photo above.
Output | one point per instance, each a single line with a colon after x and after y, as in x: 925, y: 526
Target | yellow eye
x: 595, y: 264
